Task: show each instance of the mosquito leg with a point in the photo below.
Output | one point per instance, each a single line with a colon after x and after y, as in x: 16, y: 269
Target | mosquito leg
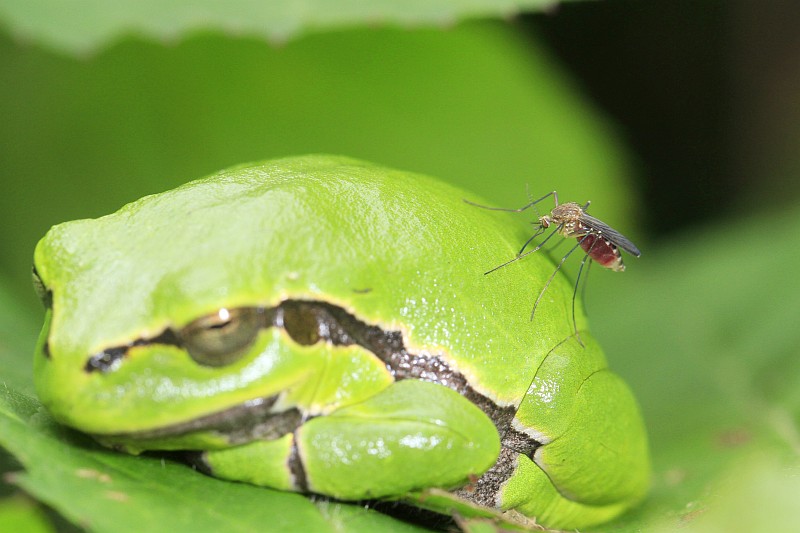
x: 586, y: 205
x: 518, y: 210
x: 574, y: 294
x: 556, y: 246
x: 538, y: 232
x: 577, y: 280
x: 585, y: 281
x: 549, y: 281
x: 521, y: 255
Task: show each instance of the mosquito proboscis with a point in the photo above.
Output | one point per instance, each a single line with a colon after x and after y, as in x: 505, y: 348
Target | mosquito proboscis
x: 600, y: 242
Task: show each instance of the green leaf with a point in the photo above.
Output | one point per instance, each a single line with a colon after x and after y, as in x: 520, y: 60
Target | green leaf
x: 82, y: 26
x: 17, y: 337
x: 21, y: 514
x: 101, y: 490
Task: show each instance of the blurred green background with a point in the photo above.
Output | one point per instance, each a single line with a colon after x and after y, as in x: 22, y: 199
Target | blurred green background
x: 679, y: 120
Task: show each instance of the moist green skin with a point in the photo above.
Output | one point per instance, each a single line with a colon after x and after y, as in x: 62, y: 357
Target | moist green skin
x: 443, y: 376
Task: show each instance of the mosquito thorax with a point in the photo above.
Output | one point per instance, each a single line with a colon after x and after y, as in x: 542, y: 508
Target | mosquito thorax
x: 568, y: 217
x: 566, y: 212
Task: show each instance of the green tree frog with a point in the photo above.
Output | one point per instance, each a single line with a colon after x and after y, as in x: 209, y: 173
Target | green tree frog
x: 321, y: 324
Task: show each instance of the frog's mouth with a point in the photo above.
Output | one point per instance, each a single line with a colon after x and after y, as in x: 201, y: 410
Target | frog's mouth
x: 251, y: 420
x: 307, y: 323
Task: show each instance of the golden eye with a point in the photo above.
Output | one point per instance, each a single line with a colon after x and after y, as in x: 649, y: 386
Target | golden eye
x: 222, y: 338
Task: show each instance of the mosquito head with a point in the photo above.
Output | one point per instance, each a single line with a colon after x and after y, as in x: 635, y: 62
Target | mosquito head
x: 545, y: 221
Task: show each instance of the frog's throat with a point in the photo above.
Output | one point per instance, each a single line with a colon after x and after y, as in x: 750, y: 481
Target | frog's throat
x: 309, y: 322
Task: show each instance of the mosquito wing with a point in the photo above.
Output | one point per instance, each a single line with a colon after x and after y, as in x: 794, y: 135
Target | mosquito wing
x: 616, y: 238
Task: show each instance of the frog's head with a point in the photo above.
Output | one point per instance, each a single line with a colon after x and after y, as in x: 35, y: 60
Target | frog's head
x: 214, y: 309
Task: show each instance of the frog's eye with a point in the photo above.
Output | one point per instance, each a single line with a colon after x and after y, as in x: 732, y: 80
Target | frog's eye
x: 44, y: 294
x: 221, y: 338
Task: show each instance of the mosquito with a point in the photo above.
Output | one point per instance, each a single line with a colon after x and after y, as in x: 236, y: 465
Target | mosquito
x: 600, y: 242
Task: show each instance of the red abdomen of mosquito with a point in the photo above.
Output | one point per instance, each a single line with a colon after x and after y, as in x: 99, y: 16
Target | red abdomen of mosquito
x: 602, y: 252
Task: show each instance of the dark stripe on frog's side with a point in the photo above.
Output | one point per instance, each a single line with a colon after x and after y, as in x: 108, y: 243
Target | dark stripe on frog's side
x: 486, y: 489
x: 520, y: 443
x: 110, y: 358
x: 296, y: 467
x: 309, y: 322
x: 239, y: 424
